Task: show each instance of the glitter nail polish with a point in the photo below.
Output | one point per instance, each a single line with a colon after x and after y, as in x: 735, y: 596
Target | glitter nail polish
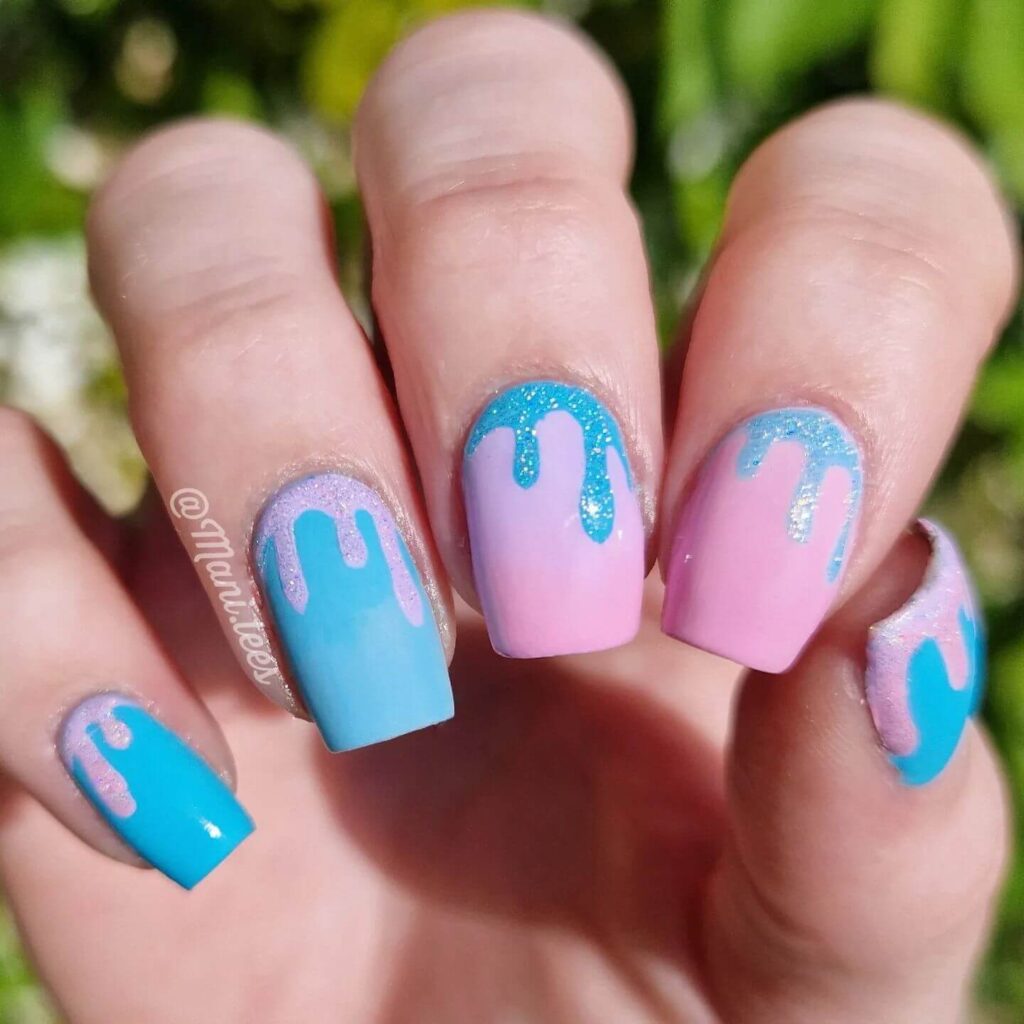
x: 350, y: 612
x: 555, y: 529
x: 925, y: 665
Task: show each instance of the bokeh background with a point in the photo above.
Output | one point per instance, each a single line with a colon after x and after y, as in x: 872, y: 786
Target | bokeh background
x: 80, y: 79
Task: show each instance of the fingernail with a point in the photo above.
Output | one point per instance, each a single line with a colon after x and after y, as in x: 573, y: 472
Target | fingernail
x: 152, y: 789
x: 555, y: 529
x: 350, y: 611
x: 763, y: 539
x: 925, y: 665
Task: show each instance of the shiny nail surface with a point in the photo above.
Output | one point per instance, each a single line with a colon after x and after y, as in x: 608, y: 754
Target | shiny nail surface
x: 152, y: 789
x: 555, y: 528
x: 925, y: 665
x: 763, y: 538
x: 350, y: 612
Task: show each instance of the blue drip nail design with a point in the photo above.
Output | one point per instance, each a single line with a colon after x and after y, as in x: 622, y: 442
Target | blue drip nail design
x: 522, y: 407
x: 152, y: 789
x: 826, y: 444
x: 940, y: 711
x: 366, y: 670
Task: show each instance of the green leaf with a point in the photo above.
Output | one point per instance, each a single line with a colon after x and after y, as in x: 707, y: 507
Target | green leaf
x: 687, y: 81
x: 768, y: 42
x: 345, y: 51
x: 32, y: 200
x: 993, y: 65
x: 700, y: 207
x: 998, y: 403
x: 914, y: 46
x: 353, y: 38
x: 230, y: 94
x: 993, y: 83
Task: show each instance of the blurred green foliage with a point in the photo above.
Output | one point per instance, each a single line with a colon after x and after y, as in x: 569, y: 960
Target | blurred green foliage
x: 79, y: 79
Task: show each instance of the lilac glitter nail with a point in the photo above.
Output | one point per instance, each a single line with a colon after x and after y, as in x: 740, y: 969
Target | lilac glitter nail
x: 933, y: 612
x: 339, y: 497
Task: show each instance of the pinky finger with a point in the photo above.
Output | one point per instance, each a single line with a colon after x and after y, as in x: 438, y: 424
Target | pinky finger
x: 866, y: 848
x: 92, y: 715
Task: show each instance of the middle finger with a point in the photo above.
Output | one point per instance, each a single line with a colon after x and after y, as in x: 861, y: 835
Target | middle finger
x: 510, y: 282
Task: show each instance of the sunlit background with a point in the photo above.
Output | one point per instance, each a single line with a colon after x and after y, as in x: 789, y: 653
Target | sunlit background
x: 80, y: 79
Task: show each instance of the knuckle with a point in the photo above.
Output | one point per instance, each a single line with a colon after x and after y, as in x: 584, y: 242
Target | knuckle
x: 33, y: 555
x: 30, y: 461
x: 225, y: 310
x: 513, y: 45
x: 514, y: 231
x: 19, y: 432
x: 895, y: 297
x: 907, y: 183
x: 34, y: 486
x: 172, y: 163
x: 485, y: 86
x: 191, y: 223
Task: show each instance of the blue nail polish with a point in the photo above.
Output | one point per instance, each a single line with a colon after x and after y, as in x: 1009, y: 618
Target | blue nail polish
x: 939, y: 710
x: 350, y: 612
x: 153, y: 790
x: 926, y: 665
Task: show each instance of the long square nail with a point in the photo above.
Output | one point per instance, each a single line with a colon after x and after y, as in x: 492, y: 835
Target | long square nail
x: 763, y: 538
x: 925, y: 665
x: 555, y: 528
x: 152, y: 789
x: 350, y: 611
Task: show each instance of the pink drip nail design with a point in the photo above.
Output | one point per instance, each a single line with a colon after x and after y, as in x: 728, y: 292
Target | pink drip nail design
x: 109, y: 784
x: 339, y: 497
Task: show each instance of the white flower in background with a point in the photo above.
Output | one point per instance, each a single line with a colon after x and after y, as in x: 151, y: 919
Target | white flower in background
x: 57, y: 362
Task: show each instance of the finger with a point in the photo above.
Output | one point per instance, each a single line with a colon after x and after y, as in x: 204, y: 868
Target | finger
x: 252, y: 388
x: 510, y: 282
x: 863, y: 271
x: 852, y: 890
x: 88, y: 693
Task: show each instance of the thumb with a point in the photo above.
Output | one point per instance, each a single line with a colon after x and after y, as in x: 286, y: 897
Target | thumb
x: 864, y: 857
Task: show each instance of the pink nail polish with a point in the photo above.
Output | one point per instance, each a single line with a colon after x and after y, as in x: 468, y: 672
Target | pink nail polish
x: 555, y: 528
x: 763, y: 539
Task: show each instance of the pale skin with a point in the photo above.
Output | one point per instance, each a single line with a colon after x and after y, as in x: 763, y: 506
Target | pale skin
x: 645, y: 834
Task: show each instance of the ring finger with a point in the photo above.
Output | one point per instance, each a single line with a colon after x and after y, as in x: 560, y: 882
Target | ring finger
x: 262, y: 416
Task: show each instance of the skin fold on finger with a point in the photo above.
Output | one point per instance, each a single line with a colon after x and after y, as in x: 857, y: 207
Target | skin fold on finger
x: 850, y: 893
x: 510, y: 283
x: 864, y: 268
x: 269, y: 431
x: 89, y: 698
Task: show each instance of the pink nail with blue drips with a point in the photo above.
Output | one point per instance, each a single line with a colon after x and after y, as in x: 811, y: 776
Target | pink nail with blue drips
x: 764, y: 537
x: 925, y: 665
x: 555, y: 528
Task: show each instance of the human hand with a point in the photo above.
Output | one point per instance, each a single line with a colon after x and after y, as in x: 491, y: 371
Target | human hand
x: 589, y: 838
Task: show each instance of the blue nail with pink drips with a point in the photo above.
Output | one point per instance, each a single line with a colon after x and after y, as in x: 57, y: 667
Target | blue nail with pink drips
x: 151, y: 787
x: 350, y: 612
